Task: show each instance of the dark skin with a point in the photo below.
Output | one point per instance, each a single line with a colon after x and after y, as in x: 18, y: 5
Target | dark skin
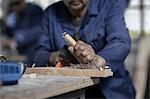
x: 83, y: 52
x: 77, y: 8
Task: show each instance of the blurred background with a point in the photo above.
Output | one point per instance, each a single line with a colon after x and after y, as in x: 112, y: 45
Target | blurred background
x: 16, y: 47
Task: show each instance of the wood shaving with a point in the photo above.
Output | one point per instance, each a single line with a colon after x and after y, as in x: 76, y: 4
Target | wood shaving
x: 90, y: 65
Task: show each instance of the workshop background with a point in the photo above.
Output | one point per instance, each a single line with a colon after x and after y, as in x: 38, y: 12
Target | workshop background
x: 137, y: 17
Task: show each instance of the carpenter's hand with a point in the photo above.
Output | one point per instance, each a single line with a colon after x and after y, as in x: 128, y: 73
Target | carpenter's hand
x: 54, y: 58
x: 100, y: 61
x: 83, y: 52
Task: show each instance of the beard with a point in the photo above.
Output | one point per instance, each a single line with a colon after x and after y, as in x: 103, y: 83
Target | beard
x: 77, y: 5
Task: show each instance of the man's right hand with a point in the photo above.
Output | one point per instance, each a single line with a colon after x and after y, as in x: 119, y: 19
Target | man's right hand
x: 54, y: 58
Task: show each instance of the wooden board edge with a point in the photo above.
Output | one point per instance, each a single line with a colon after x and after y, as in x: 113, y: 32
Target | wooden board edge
x: 70, y: 72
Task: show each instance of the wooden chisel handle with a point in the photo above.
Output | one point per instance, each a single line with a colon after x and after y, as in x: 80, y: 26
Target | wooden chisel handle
x: 69, y: 39
x: 72, y: 42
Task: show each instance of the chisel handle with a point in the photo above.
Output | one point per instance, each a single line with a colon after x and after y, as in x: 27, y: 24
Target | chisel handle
x: 69, y: 39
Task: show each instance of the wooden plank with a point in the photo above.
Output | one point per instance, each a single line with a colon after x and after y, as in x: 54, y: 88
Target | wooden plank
x: 44, y: 86
x: 70, y: 72
x: 78, y: 94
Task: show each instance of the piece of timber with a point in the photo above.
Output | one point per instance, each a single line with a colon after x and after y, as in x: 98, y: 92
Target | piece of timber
x: 44, y: 86
x: 69, y: 72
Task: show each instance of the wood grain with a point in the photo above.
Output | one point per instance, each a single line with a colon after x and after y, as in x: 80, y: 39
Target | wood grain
x: 70, y: 72
x: 44, y: 86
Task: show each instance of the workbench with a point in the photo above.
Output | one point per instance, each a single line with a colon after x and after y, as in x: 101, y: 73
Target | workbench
x: 46, y: 86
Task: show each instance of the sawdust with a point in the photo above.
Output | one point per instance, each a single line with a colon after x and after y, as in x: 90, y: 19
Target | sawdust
x: 90, y: 65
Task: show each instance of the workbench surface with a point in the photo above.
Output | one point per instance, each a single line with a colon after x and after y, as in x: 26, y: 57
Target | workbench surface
x: 44, y: 86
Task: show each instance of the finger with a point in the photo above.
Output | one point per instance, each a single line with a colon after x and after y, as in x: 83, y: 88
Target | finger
x: 56, y: 60
x: 78, y: 53
x: 79, y: 49
x: 100, y: 60
x: 81, y: 42
x: 85, y: 53
x: 87, y: 59
x: 77, y: 46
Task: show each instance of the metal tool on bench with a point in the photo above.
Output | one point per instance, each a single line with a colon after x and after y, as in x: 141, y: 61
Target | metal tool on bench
x: 10, y: 72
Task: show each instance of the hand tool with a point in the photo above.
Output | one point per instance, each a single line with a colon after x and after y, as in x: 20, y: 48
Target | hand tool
x: 64, y: 53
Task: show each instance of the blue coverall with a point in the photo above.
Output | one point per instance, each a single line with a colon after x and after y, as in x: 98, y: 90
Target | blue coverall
x: 104, y: 28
